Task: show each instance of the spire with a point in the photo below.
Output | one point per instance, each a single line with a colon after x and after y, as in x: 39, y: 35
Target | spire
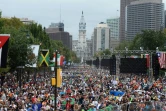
x: 82, y: 24
x: 82, y: 18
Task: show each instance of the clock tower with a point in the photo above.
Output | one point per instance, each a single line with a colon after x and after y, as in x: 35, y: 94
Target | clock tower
x: 82, y: 33
x: 82, y: 39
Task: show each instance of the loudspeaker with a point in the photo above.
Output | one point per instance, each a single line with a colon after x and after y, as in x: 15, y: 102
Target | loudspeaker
x: 155, y: 65
x: 113, y: 65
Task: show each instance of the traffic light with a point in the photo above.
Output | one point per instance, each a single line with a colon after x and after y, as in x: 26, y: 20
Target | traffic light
x: 113, y: 65
x: 59, y: 78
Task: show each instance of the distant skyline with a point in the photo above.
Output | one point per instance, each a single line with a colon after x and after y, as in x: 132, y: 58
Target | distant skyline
x: 46, y: 12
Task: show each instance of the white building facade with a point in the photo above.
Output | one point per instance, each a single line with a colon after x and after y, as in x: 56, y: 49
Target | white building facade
x: 101, y: 38
x: 82, y: 46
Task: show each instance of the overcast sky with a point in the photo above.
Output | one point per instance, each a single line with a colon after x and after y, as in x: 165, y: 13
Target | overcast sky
x: 47, y: 11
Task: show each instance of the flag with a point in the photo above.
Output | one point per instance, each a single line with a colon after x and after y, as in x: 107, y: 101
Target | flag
x: 147, y: 59
x: 35, y: 50
x: 162, y: 60
x: 58, y: 59
x: 61, y: 60
x: 4, y: 39
x: 44, y: 58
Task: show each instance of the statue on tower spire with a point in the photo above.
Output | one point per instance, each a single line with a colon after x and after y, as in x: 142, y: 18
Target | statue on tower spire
x: 82, y: 12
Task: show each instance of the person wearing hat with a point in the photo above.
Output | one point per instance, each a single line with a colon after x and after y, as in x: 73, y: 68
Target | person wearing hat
x: 92, y: 107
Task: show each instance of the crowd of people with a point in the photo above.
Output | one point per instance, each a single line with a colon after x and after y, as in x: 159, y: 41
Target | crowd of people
x: 91, y: 90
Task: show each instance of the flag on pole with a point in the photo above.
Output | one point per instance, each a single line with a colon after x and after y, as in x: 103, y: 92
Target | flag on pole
x: 44, y: 58
x: 61, y: 60
x: 4, y: 39
x: 58, y: 59
x: 147, y: 59
x: 162, y: 60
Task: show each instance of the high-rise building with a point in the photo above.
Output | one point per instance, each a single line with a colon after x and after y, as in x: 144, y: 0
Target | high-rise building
x: 55, y: 27
x: 123, y: 4
x: 101, y: 37
x: 114, y: 31
x: 142, y: 15
x: 114, y: 27
x: 59, y: 26
x: 89, y: 48
x: 56, y: 32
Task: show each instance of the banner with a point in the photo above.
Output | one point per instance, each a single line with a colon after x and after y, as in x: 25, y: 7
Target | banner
x: 44, y: 58
x: 4, y: 39
x: 147, y: 59
x: 162, y: 59
x: 60, y: 60
x: 35, y: 51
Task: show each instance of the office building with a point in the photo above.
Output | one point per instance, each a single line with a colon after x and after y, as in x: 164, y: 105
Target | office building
x: 101, y: 38
x: 56, y: 32
x: 114, y: 31
x: 123, y: 4
x: 142, y: 15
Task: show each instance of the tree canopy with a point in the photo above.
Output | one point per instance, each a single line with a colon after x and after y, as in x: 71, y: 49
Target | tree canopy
x: 22, y: 36
x: 148, y: 39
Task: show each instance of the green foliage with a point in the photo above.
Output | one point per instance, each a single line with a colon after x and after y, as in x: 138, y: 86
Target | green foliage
x: 149, y: 40
x: 19, y: 52
x: 106, y: 52
x: 4, y: 70
x: 18, y: 47
x: 122, y: 45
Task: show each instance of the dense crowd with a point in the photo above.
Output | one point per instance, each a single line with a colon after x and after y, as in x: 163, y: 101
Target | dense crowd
x: 92, y: 90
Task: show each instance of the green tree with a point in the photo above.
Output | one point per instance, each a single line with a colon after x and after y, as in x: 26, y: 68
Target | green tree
x: 122, y: 45
x: 149, y: 40
x: 18, y: 47
x: 106, y: 52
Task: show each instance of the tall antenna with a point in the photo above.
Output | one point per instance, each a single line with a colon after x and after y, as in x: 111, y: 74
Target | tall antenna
x: 60, y: 13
